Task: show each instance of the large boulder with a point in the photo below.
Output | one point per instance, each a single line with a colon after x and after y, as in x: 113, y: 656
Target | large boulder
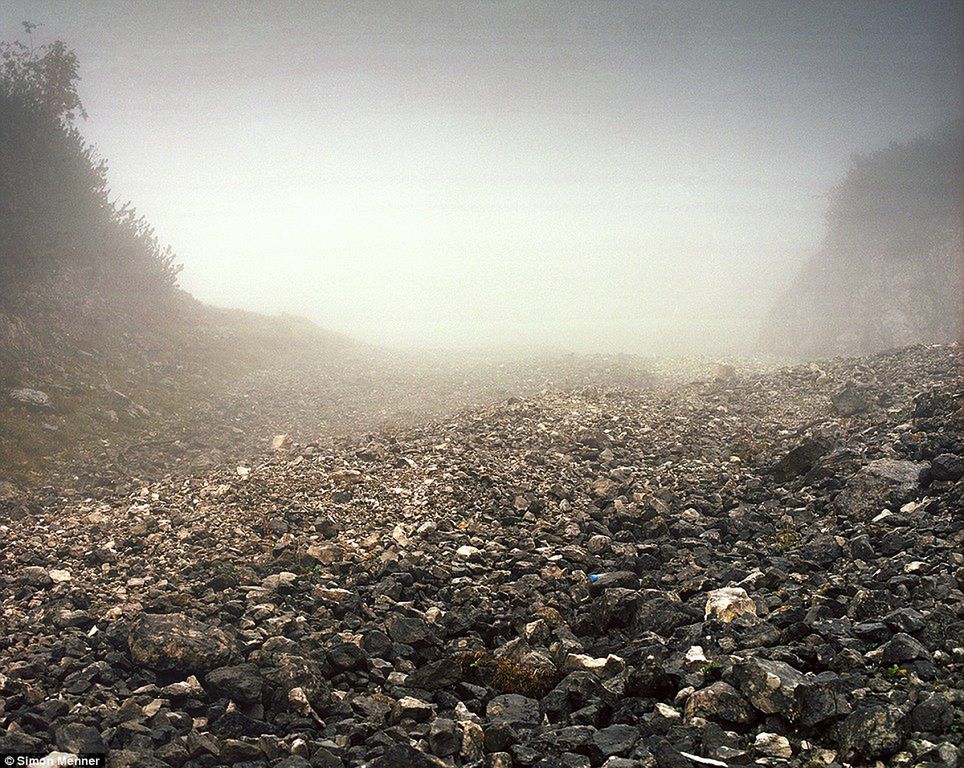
x: 880, y: 483
x: 176, y: 643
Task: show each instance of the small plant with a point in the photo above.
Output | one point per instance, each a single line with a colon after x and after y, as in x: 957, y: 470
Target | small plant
x: 712, y: 672
x: 786, y: 537
x: 894, y: 673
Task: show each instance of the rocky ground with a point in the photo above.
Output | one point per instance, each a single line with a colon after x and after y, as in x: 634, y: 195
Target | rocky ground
x: 84, y: 429
x: 760, y: 568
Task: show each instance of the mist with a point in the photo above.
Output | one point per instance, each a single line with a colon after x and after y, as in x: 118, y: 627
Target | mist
x: 618, y: 177
x: 460, y: 384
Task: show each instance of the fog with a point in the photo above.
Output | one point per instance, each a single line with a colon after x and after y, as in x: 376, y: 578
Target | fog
x: 622, y: 177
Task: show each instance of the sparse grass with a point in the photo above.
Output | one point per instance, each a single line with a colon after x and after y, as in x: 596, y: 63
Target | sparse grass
x: 786, y: 537
x: 174, y: 358
x: 507, y: 675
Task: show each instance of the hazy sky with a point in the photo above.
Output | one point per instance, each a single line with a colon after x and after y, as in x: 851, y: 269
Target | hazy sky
x: 620, y: 176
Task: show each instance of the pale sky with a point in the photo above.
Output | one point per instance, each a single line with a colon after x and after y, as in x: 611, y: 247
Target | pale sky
x: 629, y: 176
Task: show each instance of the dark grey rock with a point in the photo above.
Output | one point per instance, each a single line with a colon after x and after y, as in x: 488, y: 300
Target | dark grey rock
x: 77, y: 738
x: 513, y: 709
x: 241, y: 683
x: 615, y: 740
x: 947, y: 466
x: 878, y: 484
x: 933, y: 715
x: 873, y: 732
x: 799, y: 460
x: 852, y: 399
x: 902, y: 647
x: 444, y: 737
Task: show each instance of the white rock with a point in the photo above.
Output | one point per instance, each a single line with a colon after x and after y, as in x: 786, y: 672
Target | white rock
x: 467, y: 550
x: 298, y: 701
x: 55, y: 759
x: 332, y: 594
x: 346, y: 476
x: 704, y: 760
x: 695, y: 656
x: 398, y: 533
x: 326, y: 554
x: 465, y: 715
x: 189, y: 687
x: 772, y: 745
x: 33, y: 397
x: 60, y: 576
x: 277, y: 580
x: 611, y: 665
x: 730, y: 603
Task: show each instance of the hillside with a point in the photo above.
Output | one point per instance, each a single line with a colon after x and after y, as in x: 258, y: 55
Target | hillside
x: 889, y: 272
x: 98, y: 346
x: 79, y: 386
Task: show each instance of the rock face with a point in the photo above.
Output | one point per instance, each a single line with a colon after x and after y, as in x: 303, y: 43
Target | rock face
x: 888, y: 272
x: 470, y: 595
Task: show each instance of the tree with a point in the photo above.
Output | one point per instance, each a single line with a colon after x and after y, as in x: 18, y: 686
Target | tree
x: 56, y: 216
x: 45, y: 77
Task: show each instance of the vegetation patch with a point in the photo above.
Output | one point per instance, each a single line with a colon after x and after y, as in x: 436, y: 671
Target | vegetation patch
x: 507, y: 675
